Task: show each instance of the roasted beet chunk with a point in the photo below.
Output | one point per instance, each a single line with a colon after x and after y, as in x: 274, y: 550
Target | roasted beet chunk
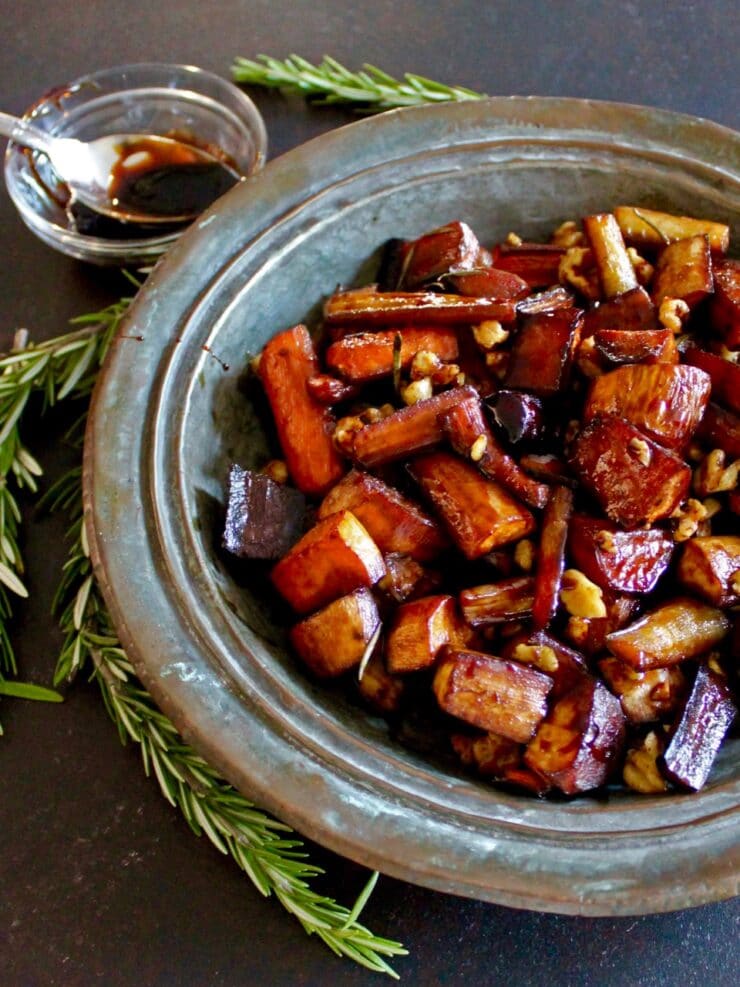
x: 263, y: 518
x: 706, y: 718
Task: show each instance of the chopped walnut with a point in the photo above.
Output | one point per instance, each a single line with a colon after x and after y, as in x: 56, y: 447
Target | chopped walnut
x: 568, y: 234
x: 576, y: 270
x: 643, y: 269
x: 489, y: 334
x: 371, y: 415
x: 445, y: 375
x: 513, y: 240
x: 641, y: 772
x: 524, y: 555
x: 344, y: 433
x: 277, y: 470
x: 605, y: 541
x: 588, y: 359
x: 498, y: 363
x: 577, y: 630
x: 581, y: 597
x: 640, y: 450
x: 540, y: 655
x: 417, y: 390
x: 672, y: 313
x: 424, y: 363
x: 714, y: 476
x: 478, y: 448
x: 689, y: 516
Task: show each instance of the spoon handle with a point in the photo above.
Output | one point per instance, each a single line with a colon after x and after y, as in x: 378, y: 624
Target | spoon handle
x: 25, y: 133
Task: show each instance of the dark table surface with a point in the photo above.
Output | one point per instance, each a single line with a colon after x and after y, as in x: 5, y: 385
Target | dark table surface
x: 101, y: 880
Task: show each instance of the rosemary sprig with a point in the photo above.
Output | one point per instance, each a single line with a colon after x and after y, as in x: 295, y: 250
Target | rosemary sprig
x: 264, y: 849
x: 64, y: 367
x: 369, y: 90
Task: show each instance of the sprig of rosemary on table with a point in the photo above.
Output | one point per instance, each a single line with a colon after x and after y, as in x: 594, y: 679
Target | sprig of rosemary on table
x: 369, y: 90
x: 265, y: 849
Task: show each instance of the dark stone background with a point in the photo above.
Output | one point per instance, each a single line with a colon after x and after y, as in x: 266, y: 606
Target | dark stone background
x: 100, y: 880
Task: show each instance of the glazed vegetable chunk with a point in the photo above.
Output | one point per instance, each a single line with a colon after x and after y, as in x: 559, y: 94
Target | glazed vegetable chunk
x: 374, y: 308
x: 478, y: 513
x: 366, y: 356
x: 535, y: 263
x: 645, y: 696
x: 684, y: 270
x: 334, y: 640
x: 334, y: 558
x: 542, y: 352
x: 616, y: 272
x: 666, y: 402
x: 551, y: 560
x: 419, y: 631
x: 725, y: 307
x: 625, y: 561
x: 724, y: 375
x: 635, y: 480
x: 264, y: 519
x: 707, y: 717
x: 579, y: 742
x: 565, y: 667
x: 710, y: 568
x: 500, y: 696
x: 394, y: 522
x: 451, y: 247
x: 487, y: 282
x: 304, y: 425
x: 407, y: 431
x: 683, y: 628
x: 629, y: 312
x: 618, y: 346
x: 495, y: 603
x: 650, y: 228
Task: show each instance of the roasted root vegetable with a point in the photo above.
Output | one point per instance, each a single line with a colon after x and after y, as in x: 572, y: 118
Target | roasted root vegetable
x: 335, y: 639
x: 578, y: 744
x: 509, y: 498
x: 304, y: 425
x: 683, y: 628
x: 478, y: 513
x: 503, y: 697
x: 335, y: 557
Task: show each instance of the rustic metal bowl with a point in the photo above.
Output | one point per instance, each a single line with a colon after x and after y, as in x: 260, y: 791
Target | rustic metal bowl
x: 170, y: 415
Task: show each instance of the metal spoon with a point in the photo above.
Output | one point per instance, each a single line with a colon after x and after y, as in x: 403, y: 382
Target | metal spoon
x: 87, y: 167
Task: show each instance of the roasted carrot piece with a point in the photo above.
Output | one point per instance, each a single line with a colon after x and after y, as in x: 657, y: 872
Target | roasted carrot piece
x: 635, y: 480
x: 451, y: 247
x: 330, y: 390
x: 419, y: 631
x: 471, y: 437
x: 616, y: 272
x: 334, y: 558
x: 663, y: 400
x: 682, y: 628
x: 542, y: 351
x: 551, y: 556
x: 304, y: 425
x: 724, y: 310
x: 577, y: 745
x: 399, y: 308
x: 368, y: 355
x: 394, y: 522
x: 503, y: 697
x: 478, y: 513
x: 684, y: 270
x: 406, y: 432
x: 334, y: 640
x: 651, y: 228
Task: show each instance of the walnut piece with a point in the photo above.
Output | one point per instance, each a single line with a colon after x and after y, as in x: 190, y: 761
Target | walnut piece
x: 580, y: 596
x: 641, y: 772
x: 672, y: 314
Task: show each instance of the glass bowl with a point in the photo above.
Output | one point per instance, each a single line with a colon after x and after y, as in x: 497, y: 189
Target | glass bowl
x: 146, y: 98
x: 171, y: 413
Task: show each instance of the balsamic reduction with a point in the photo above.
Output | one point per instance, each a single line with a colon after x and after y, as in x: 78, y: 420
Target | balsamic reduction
x: 165, y: 178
